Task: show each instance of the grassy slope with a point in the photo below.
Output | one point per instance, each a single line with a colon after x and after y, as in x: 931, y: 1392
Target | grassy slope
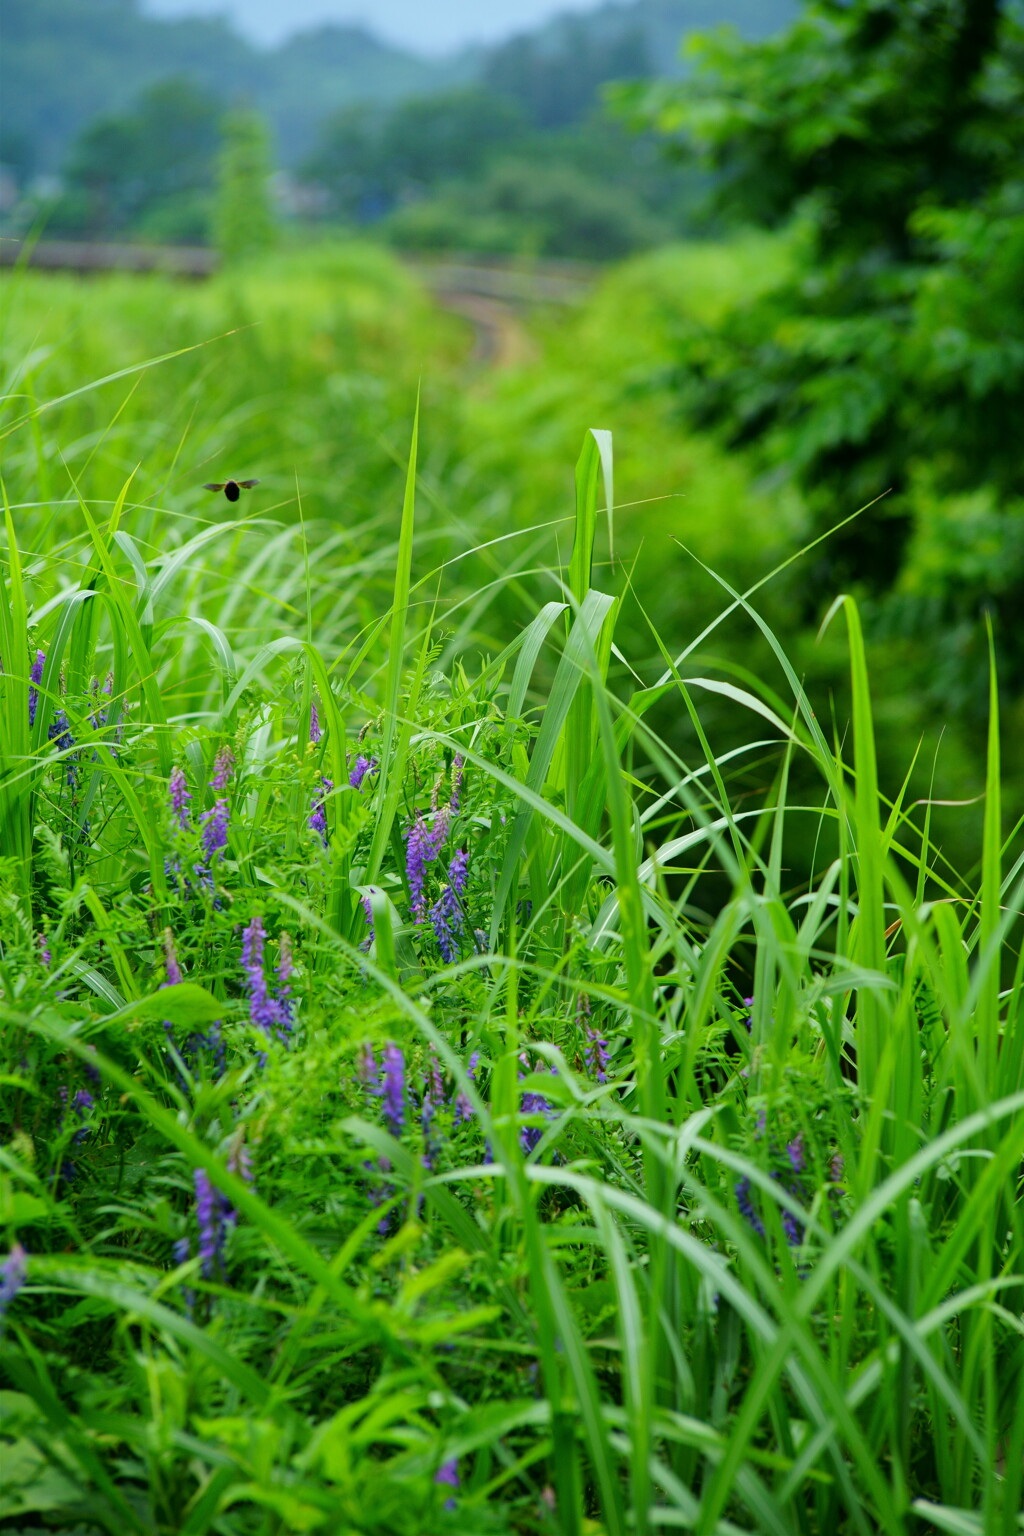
x: 765, y: 1275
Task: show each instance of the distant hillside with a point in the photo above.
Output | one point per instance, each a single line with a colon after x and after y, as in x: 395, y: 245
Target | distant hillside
x: 65, y: 62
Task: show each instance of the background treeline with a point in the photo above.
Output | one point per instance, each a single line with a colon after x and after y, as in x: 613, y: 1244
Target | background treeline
x: 506, y: 149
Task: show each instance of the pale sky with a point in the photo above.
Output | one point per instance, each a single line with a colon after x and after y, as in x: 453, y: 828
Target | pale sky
x: 424, y: 26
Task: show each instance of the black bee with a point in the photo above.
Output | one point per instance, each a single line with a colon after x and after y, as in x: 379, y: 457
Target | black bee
x: 232, y: 488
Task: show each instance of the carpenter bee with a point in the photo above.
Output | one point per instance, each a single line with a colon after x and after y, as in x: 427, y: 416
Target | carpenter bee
x: 232, y: 488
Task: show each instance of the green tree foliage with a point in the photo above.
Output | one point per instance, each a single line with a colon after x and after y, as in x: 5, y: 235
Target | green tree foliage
x: 557, y: 79
x: 150, y: 169
x: 893, y: 361
x: 245, y: 221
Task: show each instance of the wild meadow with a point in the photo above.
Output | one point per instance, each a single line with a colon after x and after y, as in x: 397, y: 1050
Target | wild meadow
x: 486, y: 1044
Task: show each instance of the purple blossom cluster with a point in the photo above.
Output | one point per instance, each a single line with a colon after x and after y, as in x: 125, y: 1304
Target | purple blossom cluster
x: 791, y: 1182
x: 595, y: 1055
x: 532, y: 1104
x: 422, y: 845
x: 35, y: 677
x: 317, y: 820
x: 447, y: 915
x: 360, y: 768
x: 214, y: 1216
x: 13, y: 1272
x: 447, y: 1475
x: 270, y: 1013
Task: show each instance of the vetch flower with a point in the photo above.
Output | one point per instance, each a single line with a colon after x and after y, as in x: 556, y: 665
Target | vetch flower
x: 223, y: 769
x: 447, y: 1475
x: 367, y: 1069
x: 446, y: 915
x: 12, y: 1277
x: 210, y: 1217
x: 533, y: 1104
x: 360, y: 768
x: 795, y: 1153
x: 422, y: 846
x: 178, y: 790
x: 44, y: 950
x: 35, y: 677
x: 463, y: 1108
x: 317, y: 821
x: 393, y: 1089
x: 263, y: 1010
x: 595, y: 1055
x: 746, y: 1205
x: 316, y: 730
x: 214, y: 823
x: 457, y: 768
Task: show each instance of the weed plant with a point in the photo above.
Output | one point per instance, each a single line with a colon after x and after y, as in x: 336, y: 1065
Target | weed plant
x: 390, y: 1142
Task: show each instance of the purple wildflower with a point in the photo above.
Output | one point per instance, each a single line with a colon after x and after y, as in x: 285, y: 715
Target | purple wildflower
x: 793, y: 1229
x: 317, y: 821
x: 223, y: 768
x: 35, y: 677
x: 422, y: 846
x: 446, y: 914
x: 426, y: 1125
x: 795, y: 1153
x: 215, y: 827
x: 533, y: 1104
x: 435, y: 1081
x: 458, y: 765
x: 171, y: 966
x: 316, y: 730
x: 447, y: 1475
x: 360, y: 768
x: 463, y: 1108
x: 595, y: 1054
x: 44, y: 950
x: 748, y: 1003
x: 746, y: 1205
x: 178, y: 789
x: 209, y: 1215
x: 263, y: 1011
x: 836, y: 1167
x: 393, y: 1088
x: 12, y: 1276
x: 285, y: 971
x: 82, y: 1103
x: 367, y: 1070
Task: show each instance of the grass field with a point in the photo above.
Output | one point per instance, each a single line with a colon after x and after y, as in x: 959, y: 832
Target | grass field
x: 433, y: 1099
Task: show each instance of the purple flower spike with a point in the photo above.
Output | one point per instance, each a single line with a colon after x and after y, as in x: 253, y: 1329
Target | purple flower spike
x: 746, y: 1206
x: 263, y: 1010
x: 179, y: 792
x: 44, y: 951
x: 393, y: 1090
x: 360, y: 768
x: 367, y: 1070
x: 426, y: 1125
x: 595, y: 1054
x: 215, y: 827
x: 223, y: 769
x: 463, y: 1108
x: 318, y: 815
x: 417, y: 855
x: 446, y: 914
x: 211, y: 1226
x: 316, y: 730
x: 447, y: 1475
x: 35, y: 677
x: 795, y: 1153
x: 171, y: 966
x: 12, y: 1277
x: 458, y: 765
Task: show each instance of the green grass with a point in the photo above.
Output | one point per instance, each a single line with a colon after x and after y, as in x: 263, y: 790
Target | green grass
x: 761, y: 1271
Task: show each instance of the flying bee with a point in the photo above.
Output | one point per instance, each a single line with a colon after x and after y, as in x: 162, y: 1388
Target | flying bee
x: 232, y: 488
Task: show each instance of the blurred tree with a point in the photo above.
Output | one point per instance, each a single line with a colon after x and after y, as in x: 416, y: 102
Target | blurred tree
x: 160, y: 155
x: 369, y: 162
x: 244, y: 221
x: 556, y: 76
x: 894, y: 358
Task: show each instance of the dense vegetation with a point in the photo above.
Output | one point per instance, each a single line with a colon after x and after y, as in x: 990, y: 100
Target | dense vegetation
x: 432, y: 1099
x: 891, y: 363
